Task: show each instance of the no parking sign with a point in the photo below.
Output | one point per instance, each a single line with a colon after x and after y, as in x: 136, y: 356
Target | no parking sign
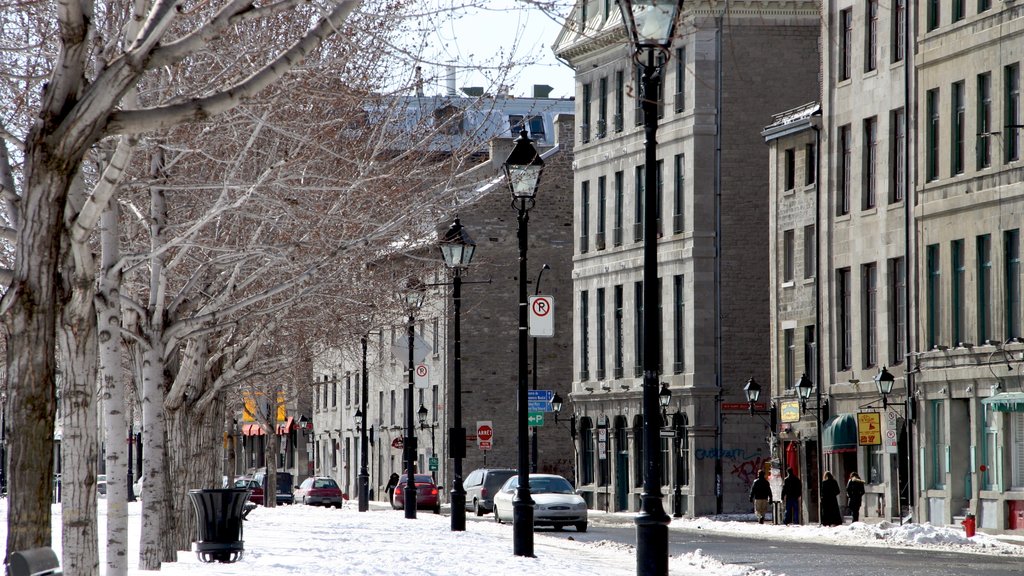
x: 542, y: 316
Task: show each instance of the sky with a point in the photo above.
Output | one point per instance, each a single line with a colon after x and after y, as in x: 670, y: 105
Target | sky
x: 477, y: 40
x: 308, y: 540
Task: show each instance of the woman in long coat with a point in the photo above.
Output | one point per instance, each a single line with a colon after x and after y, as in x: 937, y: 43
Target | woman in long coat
x: 830, y: 514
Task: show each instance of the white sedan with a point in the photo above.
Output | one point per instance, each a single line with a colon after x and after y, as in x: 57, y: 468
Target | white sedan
x: 555, y: 502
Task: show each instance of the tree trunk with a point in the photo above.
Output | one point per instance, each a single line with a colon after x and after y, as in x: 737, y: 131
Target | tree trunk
x: 193, y: 460
x: 155, y: 503
x: 112, y: 394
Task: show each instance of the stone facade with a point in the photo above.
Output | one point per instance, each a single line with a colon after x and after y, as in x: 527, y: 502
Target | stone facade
x: 712, y: 250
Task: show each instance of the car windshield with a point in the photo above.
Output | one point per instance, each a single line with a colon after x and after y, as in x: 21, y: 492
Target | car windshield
x: 324, y: 483
x: 545, y: 485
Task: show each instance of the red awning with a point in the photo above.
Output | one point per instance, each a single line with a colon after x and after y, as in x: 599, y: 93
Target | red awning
x: 252, y: 430
x: 287, y: 427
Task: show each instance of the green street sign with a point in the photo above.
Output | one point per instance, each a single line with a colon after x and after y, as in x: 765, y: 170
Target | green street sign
x: 433, y: 463
x: 535, y: 418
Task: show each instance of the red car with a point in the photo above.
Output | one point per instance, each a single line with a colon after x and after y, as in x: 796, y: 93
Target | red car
x: 320, y: 491
x: 427, y: 493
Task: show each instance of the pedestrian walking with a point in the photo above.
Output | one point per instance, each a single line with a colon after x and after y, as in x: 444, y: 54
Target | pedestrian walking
x: 761, y: 496
x: 792, y: 489
x: 854, y: 495
x: 392, y: 482
x: 830, y: 514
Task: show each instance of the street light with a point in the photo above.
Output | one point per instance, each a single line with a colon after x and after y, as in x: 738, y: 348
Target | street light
x: 884, y: 381
x: 364, y: 446
x: 650, y: 25
x: 804, y: 387
x: 664, y: 399
x: 414, y: 295
x: 523, y: 168
x: 533, y: 431
x: 457, y: 248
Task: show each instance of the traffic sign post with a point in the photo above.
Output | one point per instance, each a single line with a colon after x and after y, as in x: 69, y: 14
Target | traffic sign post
x: 421, y: 376
x: 484, y: 434
x: 535, y: 419
x: 542, y: 316
x: 420, y: 349
x: 433, y: 463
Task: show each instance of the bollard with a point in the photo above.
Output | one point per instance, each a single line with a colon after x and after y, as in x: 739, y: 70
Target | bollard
x: 34, y: 562
x: 219, y: 515
x: 969, y: 525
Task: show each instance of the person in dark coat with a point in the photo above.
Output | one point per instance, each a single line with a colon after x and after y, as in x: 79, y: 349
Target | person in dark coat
x: 392, y: 482
x: 792, y: 489
x: 854, y: 495
x: 830, y: 514
x: 761, y: 496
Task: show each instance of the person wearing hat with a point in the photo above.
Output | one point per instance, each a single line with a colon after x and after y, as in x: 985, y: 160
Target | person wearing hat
x: 761, y: 496
x: 792, y: 489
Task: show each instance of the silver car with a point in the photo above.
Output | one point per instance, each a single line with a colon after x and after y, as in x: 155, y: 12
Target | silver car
x: 481, y: 485
x: 556, y: 504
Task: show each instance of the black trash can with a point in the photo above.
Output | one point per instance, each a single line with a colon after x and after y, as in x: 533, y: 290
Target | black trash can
x: 218, y: 523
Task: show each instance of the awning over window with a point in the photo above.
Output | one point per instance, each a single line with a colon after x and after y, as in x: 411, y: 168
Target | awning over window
x: 1005, y: 402
x: 840, y: 434
x: 285, y: 427
x: 252, y: 430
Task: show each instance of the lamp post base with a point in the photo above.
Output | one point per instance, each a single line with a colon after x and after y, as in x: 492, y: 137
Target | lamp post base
x: 522, y: 526
x: 652, y: 538
x: 458, y: 501
x: 364, y: 490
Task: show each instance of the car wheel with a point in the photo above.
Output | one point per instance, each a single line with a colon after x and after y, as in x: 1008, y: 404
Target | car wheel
x: 496, y: 517
x: 437, y: 509
x: 338, y: 505
x: 581, y: 526
x: 304, y: 500
x: 479, y: 508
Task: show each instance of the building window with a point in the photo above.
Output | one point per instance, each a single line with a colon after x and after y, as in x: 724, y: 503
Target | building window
x: 958, y: 10
x: 940, y: 452
x: 845, y: 335
x: 933, y: 14
x: 1017, y: 466
x: 897, y: 310
x: 334, y: 393
x: 787, y: 255
x: 1011, y: 247
x: 585, y: 104
x: 897, y: 154
x: 899, y: 37
x: 871, y: 36
x: 587, y: 451
x: 869, y: 311
x: 932, y: 294
x: 638, y: 204
x: 789, y: 361
x: 620, y: 98
x: 956, y: 291
x: 680, y: 98
x: 638, y: 450
x: 638, y: 328
x: 603, y: 464
x: 790, y: 168
x: 845, y: 42
x: 983, y: 148
x: 618, y: 319
x: 601, y: 352
x: 932, y: 134
x: 984, y: 263
x: 956, y: 153
x: 810, y: 164
x: 348, y: 390
x: 810, y: 357
x: 602, y: 108
x: 810, y: 241
x: 659, y: 195
x: 584, y: 336
x: 683, y: 436
x: 845, y: 153
x: 584, y: 216
x: 870, y: 161
x: 678, y: 325
x: 602, y: 212
x: 983, y: 5
x: 616, y: 231
x: 1011, y: 112
x: 876, y: 464
x: 679, y: 191
x: 989, y: 449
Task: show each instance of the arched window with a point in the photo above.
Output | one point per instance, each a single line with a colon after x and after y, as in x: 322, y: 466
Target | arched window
x: 638, y: 450
x: 681, y: 424
x: 603, y: 459
x: 587, y: 440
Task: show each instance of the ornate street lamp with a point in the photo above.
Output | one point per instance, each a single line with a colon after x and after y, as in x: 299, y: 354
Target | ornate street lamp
x: 364, y: 446
x: 523, y: 168
x: 414, y: 295
x: 884, y: 381
x: 457, y: 248
x: 650, y: 25
x: 556, y: 404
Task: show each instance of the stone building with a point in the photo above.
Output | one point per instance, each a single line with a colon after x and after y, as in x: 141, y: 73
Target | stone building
x: 732, y: 66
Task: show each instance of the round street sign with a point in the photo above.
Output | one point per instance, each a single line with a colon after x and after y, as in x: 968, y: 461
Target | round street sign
x: 484, y: 432
x: 398, y: 442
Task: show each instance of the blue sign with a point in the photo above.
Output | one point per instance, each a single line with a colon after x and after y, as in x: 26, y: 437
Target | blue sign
x: 539, y: 395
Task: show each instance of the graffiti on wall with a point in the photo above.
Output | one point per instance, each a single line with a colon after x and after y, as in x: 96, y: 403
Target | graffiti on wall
x: 744, y: 465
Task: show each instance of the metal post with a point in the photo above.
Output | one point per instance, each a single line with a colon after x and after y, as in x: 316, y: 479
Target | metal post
x: 364, y: 471
x: 652, y: 520
x: 522, y: 502
x: 458, y: 434
x: 533, y: 429
x: 131, y: 479
x: 677, y: 493
x: 410, y: 433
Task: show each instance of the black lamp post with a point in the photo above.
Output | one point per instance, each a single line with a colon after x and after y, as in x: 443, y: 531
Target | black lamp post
x: 533, y: 431
x: 884, y: 381
x: 364, y: 448
x: 804, y: 387
x: 457, y: 248
x: 523, y: 168
x: 413, y: 300
x: 650, y: 25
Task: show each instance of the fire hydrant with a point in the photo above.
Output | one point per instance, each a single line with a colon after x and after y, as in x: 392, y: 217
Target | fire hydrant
x: 969, y: 525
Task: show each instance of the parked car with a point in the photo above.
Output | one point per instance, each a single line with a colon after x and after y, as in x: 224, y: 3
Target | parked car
x: 284, y: 486
x: 427, y: 493
x: 320, y: 491
x: 556, y: 504
x: 481, y: 485
x: 254, y: 488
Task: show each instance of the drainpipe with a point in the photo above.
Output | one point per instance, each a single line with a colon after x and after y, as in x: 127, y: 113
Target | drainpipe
x: 718, y: 264
x: 818, y: 278
x: 909, y: 243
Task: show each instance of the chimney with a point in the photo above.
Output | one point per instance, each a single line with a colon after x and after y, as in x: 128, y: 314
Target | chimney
x: 450, y: 80
x: 542, y: 91
x: 418, y: 81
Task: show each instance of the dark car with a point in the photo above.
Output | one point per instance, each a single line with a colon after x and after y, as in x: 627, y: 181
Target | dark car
x: 254, y: 488
x: 284, y: 487
x: 319, y: 491
x: 481, y: 485
x: 427, y: 493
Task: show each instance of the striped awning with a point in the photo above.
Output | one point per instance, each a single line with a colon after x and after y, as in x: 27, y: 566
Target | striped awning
x: 839, y: 434
x: 1005, y: 402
